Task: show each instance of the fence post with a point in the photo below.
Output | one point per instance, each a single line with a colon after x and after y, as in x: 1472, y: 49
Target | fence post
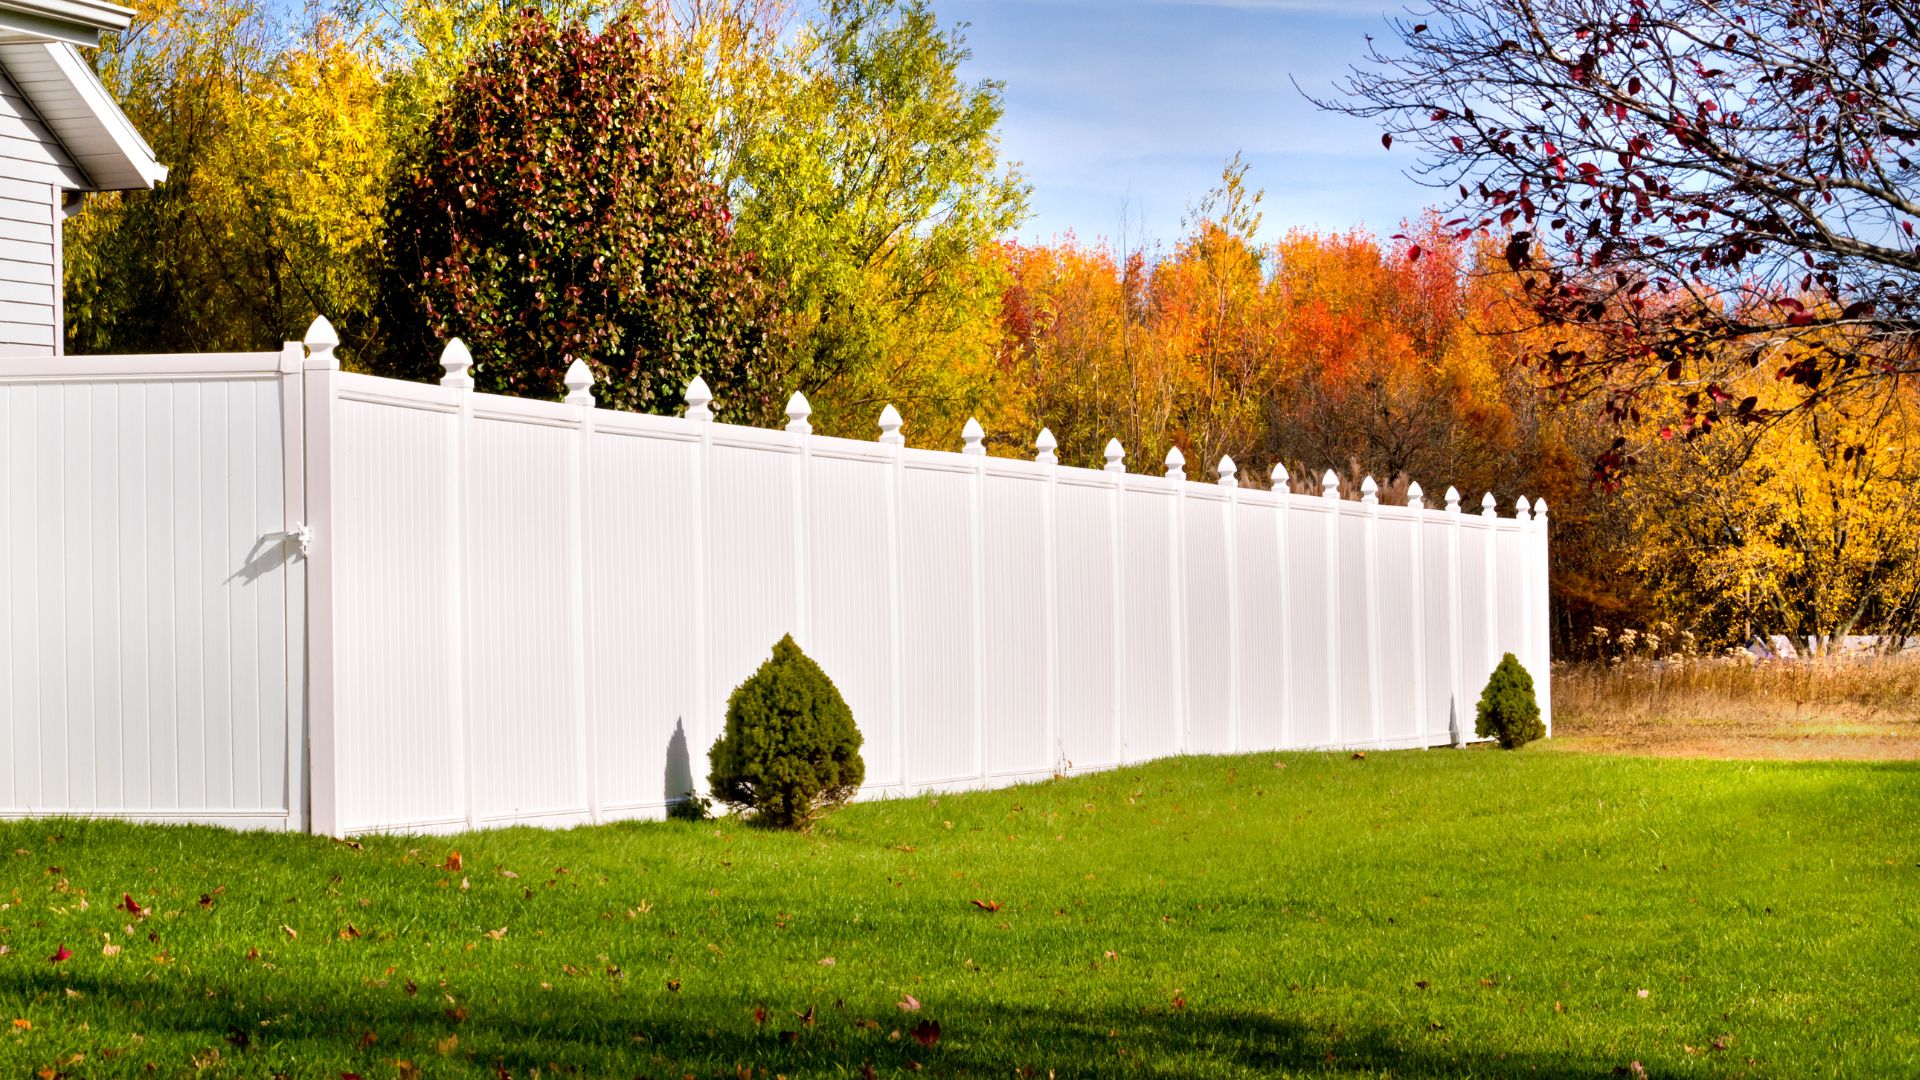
x: 1543, y: 605
x: 1045, y: 445
x: 799, y: 424
x: 1330, y: 492
x: 1456, y: 651
x: 325, y: 814
x: 293, y: 513
x: 1417, y: 502
x: 456, y: 365
x: 891, y: 438
x: 1491, y: 516
x: 1282, y: 494
x: 580, y: 488
x: 973, y: 439
x: 1230, y: 479
x: 1370, y: 551
x: 1177, y: 594
x: 1117, y: 465
x: 701, y: 734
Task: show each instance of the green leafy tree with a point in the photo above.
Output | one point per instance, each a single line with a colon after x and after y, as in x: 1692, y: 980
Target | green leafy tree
x: 791, y: 749
x: 866, y: 173
x: 1508, y: 711
x: 555, y: 208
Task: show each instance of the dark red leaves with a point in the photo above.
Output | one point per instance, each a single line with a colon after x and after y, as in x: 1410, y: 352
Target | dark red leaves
x: 131, y: 906
x: 986, y: 905
x: 926, y: 1032
x: 61, y: 956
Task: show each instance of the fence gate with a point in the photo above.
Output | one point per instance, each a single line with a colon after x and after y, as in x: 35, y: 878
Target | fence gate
x: 151, y: 594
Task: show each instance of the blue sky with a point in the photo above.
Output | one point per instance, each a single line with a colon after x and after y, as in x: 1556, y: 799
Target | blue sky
x: 1134, y: 105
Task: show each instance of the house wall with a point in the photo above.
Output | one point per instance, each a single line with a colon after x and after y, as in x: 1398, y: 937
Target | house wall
x: 34, y: 168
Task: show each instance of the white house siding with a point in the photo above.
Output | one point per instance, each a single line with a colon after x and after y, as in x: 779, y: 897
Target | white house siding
x: 33, y: 169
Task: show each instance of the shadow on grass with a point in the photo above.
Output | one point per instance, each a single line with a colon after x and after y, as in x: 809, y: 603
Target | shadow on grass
x: 648, y: 1032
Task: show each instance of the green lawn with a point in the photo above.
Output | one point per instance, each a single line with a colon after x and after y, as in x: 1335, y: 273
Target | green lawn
x: 1413, y: 914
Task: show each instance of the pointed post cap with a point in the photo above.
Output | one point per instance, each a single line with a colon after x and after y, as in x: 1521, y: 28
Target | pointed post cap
x: 1522, y: 509
x: 699, y: 400
x: 579, y: 384
x: 1279, y: 477
x: 1540, y: 510
x: 320, y: 342
x: 797, y: 413
x: 971, y: 437
x: 1116, y: 456
x: 1370, y: 492
x: 890, y: 424
x: 1453, y: 499
x: 1487, y: 506
x: 1416, y: 498
x: 1329, y: 485
x: 1046, y: 444
x: 1229, y: 472
x: 456, y: 363
x: 1176, y: 464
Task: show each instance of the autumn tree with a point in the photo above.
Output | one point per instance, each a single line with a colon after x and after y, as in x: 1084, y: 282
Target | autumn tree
x: 276, y: 135
x: 556, y: 209
x: 866, y: 172
x: 1697, y: 181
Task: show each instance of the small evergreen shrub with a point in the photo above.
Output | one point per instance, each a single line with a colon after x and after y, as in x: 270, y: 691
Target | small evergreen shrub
x: 1508, y: 711
x: 790, y: 750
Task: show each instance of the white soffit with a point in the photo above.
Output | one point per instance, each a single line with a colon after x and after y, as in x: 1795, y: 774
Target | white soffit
x: 80, y: 112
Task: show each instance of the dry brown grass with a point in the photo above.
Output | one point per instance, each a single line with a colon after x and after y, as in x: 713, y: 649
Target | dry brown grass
x: 1865, y: 708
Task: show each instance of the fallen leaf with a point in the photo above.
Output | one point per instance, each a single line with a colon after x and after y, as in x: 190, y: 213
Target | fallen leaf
x: 806, y: 1018
x: 407, y: 1070
x: 132, y: 906
x: 367, y: 1039
x: 457, y: 1014
x: 1641, y: 993
x: 23, y: 1025
x: 759, y: 1015
x: 827, y: 961
x: 351, y: 933
x: 109, y: 949
x: 62, y: 955
x: 910, y: 1004
x: 447, y: 1045
x: 352, y: 844
x: 1179, y: 1002
x: 673, y: 985
x: 454, y: 863
x: 927, y: 1032
x: 289, y: 931
x: 497, y: 934
x: 986, y: 905
x: 1359, y: 755
x: 1420, y: 984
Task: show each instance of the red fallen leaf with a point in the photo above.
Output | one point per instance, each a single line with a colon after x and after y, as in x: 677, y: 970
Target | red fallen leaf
x: 132, y: 906
x: 349, y: 1076
x: 806, y: 1018
x: 926, y: 1032
x: 1359, y: 755
x: 910, y: 1004
x: 454, y: 863
x: 867, y: 1073
x: 759, y: 1015
x: 1179, y: 1002
x: 986, y: 905
x: 367, y: 1039
x: 63, y: 955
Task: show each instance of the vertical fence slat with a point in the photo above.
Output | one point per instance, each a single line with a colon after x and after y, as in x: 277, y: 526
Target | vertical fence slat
x: 318, y: 376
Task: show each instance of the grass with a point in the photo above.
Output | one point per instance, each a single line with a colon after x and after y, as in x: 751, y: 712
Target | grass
x: 1861, y: 707
x: 1446, y: 913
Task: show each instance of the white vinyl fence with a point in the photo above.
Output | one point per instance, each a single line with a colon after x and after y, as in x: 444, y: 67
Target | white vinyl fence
x: 258, y: 590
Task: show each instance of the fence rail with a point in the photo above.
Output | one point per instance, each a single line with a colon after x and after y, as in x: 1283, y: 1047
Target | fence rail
x: 480, y: 610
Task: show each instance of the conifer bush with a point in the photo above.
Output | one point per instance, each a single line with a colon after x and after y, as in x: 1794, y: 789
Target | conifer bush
x: 1508, y: 711
x: 790, y: 750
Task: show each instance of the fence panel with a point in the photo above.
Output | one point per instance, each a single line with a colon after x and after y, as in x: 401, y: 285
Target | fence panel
x: 399, y: 729
x: 1260, y: 626
x: 1014, y: 680
x: 1207, y: 557
x: 851, y: 593
x: 1087, y: 617
x: 642, y: 509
